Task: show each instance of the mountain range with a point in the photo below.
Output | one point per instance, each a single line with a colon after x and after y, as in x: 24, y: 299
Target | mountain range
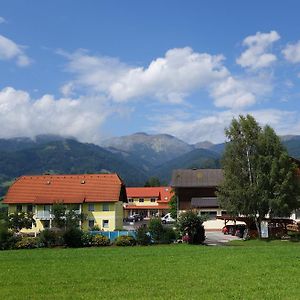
x: 134, y: 157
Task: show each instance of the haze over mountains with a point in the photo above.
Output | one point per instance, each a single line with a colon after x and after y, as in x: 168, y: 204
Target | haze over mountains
x: 135, y: 157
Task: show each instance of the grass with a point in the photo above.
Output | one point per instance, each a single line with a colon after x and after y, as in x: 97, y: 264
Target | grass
x: 242, y: 270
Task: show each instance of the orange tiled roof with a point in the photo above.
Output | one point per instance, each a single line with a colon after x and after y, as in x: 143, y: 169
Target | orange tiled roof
x: 46, y: 189
x: 163, y: 193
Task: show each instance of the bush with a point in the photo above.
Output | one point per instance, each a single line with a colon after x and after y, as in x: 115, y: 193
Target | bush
x: 72, y: 237
x: 191, y: 223
x: 168, y: 236
x: 124, y: 240
x: 86, y: 239
x: 51, y: 238
x: 6, y: 237
x: 95, y: 228
x: 100, y: 240
x: 143, y: 237
x: 156, y: 230
x: 27, y: 243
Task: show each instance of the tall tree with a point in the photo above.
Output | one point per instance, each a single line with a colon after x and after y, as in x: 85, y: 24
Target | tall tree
x: 259, y: 176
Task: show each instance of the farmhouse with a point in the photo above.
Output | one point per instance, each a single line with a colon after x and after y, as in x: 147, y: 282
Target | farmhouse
x: 99, y: 196
x: 148, y: 201
x: 196, y: 189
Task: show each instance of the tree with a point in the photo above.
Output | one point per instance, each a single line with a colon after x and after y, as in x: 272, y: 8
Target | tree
x: 20, y: 220
x: 173, y: 206
x: 259, y: 176
x: 66, y: 219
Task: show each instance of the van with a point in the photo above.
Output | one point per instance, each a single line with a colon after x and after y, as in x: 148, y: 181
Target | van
x: 167, y: 219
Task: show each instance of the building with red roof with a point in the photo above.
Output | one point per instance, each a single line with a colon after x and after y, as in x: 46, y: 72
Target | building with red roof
x: 148, y: 201
x: 99, y: 197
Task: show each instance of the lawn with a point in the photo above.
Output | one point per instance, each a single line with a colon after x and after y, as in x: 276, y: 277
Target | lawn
x: 243, y: 270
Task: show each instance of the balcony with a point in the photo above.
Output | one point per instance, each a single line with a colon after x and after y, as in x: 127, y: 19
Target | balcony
x: 43, y: 215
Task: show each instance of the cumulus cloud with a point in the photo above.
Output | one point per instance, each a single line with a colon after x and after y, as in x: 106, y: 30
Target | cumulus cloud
x: 9, y: 50
x: 257, y: 55
x: 292, y: 52
x: 169, y: 79
x: 20, y: 115
x: 240, y: 92
x: 211, y: 126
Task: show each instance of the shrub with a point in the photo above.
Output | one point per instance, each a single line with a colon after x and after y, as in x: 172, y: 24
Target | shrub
x: 95, y: 228
x: 191, y: 223
x: 143, y: 237
x: 51, y: 238
x: 5, y: 236
x: 168, y: 235
x: 86, y: 239
x: 100, y: 240
x: 27, y: 243
x: 156, y: 229
x: 72, y: 237
x: 124, y: 240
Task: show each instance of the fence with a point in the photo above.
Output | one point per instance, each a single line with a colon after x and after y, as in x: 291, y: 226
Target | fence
x: 112, y: 235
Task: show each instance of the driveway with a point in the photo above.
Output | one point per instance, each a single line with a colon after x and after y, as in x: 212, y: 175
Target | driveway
x: 217, y: 238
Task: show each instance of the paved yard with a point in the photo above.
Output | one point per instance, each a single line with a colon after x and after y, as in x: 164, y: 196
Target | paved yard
x: 217, y: 238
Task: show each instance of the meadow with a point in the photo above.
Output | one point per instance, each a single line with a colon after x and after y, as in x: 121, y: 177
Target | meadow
x: 240, y: 270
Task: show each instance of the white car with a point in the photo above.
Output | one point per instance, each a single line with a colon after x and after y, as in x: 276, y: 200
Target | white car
x: 167, y: 219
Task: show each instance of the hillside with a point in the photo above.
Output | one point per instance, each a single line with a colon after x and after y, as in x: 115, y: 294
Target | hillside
x: 197, y: 158
x: 152, y: 150
x: 67, y: 156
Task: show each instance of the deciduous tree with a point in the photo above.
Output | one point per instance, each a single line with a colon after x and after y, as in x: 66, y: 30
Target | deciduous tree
x: 259, y: 176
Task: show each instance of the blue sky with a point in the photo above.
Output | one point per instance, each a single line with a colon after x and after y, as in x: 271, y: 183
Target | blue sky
x: 94, y: 69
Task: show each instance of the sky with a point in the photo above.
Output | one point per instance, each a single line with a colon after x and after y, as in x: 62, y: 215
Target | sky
x: 96, y: 69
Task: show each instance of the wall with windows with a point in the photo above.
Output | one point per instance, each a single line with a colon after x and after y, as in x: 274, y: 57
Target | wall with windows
x: 106, y: 215
x: 142, y: 201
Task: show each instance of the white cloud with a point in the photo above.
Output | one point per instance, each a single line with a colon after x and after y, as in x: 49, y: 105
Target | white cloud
x: 20, y: 115
x: 256, y: 56
x: 10, y: 50
x: 211, y: 127
x: 169, y: 79
x: 292, y: 52
x: 2, y: 20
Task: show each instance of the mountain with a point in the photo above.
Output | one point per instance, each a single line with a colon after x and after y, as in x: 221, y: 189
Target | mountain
x: 292, y: 144
x: 197, y: 158
x: 153, y: 150
x: 65, y: 156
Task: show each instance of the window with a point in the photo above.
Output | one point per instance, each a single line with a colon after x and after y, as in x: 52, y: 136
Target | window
x: 130, y: 200
x: 91, y: 207
x: 29, y: 208
x: 141, y: 200
x: 105, y: 223
x: 153, y: 199
x: 91, y: 224
x: 19, y: 207
x: 105, y: 206
x: 47, y: 207
x: 46, y: 224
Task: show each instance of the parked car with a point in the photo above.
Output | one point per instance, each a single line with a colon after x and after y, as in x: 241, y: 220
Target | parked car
x: 134, y: 218
x: 240, y: 229
x: 237, y: 230
x: 167, y: 219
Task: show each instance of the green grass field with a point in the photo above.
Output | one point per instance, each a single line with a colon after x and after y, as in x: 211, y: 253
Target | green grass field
x: 243, y: 270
